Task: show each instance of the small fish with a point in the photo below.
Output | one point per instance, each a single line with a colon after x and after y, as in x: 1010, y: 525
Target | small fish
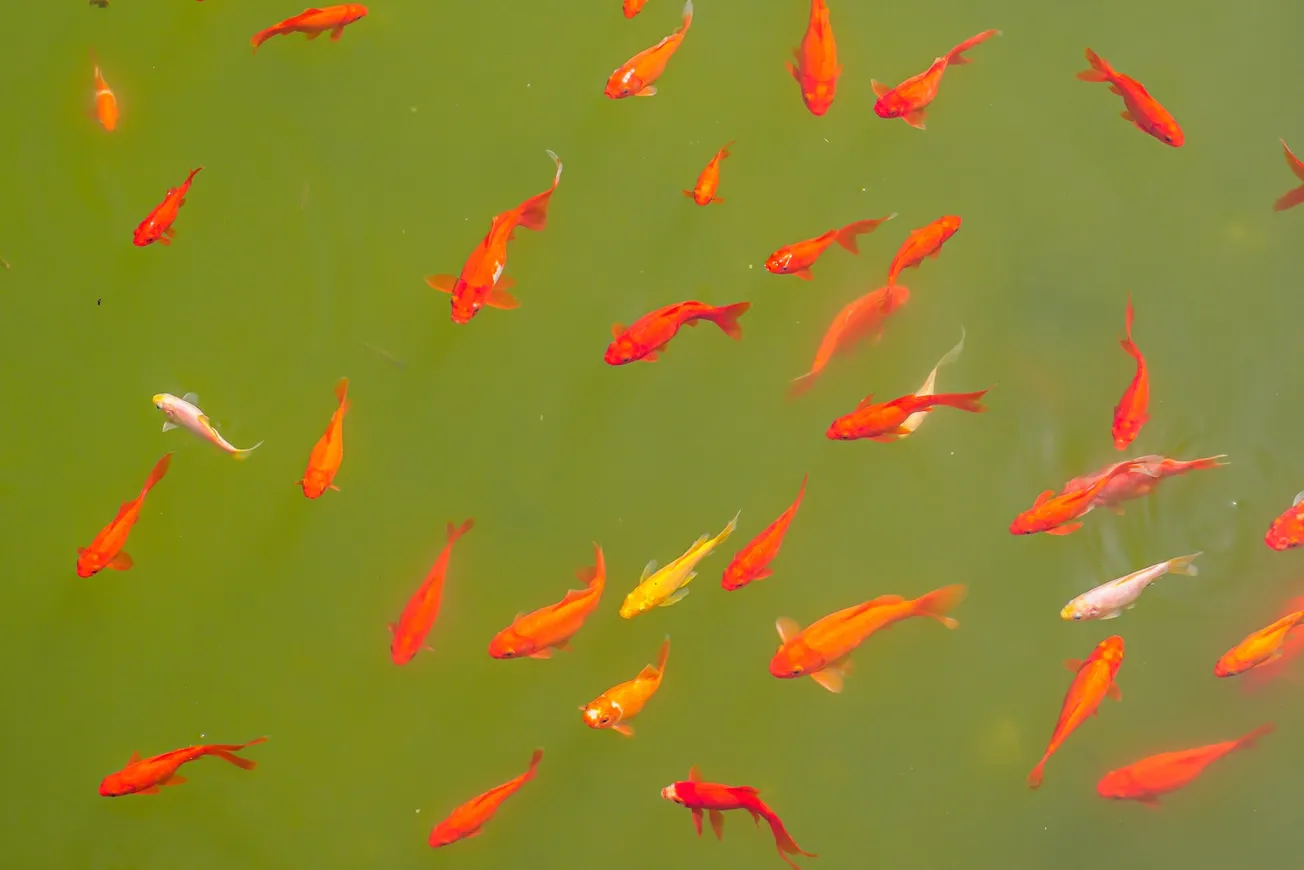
x: 106, y: 104
x: 909, y: 99
x: 615, y: 707
x: 1147, y: 473
x: 1259, y: 647
x: 1093, y: 680
x: 105, y: 551
x: 157, y: 225
x: 666, y: 587
x: 1056, y: 514
x: 1257, y: 677
x: 635, y: 76
x: 885, y: 421
x: 423, y: 607
x: 1142, y: 109
x: 650, y: 334
x: 328, y: 452
x: 1287, y: 530
x: 752, y: 562
x: 703, y: 193
x: 467, y: 820
x: 184, y: 413
x: 314, y: 22
x: 797, y: 259
x: 1108, y: 600
x: 632, y: 7
x: 817, y: 68
x: 1294, y: 197
x: 1147, y: 779
x: 860, y: 318
x: 924, y: 242
x: 536, y: 634
x: 1130, y: 412
x: 928, y: 388
x: 145, y: 776
x: 713, y: 798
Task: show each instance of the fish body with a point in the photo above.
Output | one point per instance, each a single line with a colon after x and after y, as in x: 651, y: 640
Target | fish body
x: 666, y: 587
x: 1130, y: 412
x: 1145, y: 473
x: 1287, y: 531
x: 1147, y: 779
x: 1058, y: 514
x: 703, y: 192
x: 647, y: 338
x: 885, y: 421
x: 924, y: 242
x: 1259, y: 647
x: 1141, y: 109
x: 423, y: 607
x: 817, y: 67
x: 157, y: 225
x: 185, y: 414
x: 863, y: 317
x: 145, y: 776
x: 752, y: 562
x: 469, y: 818
x: 1093, y: 680
x: 635, y: 76
x: 105, y: 551
x: 909, y: 99
x: 328, y: 452
x: 1108, y: 600
x: 536, y: 634
x: 106, y: 103
x: 314, y: 22
x: 797, y: 259
x: 615, y: 707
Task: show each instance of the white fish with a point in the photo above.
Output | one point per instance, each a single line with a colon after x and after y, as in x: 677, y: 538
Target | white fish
x: 183, y: 412
x: 1110, y: 599
x: 912, y: 422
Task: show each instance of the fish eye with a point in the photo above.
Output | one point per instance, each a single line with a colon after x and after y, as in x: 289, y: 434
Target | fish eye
x: 796, y: 671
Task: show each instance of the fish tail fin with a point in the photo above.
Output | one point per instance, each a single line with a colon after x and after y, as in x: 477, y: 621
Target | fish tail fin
x: 342, y: 393
x: 956, y: 55
x: 455, y: 532
x: 939, y: 602
x: 1249, y: 740
x: 727, y: 316
x: 160, y: 469
x: 1100, y: 70
x: 783, y: 841
x: 802, y: 383
x: 1290, y: 199
x: 1207, y: 462
x: 954, y: 353
x: 534, y: 211
x: 244, y: 453
x: 534, y: 763
x: 963, y: 401
x: 1184, y: 565
x: 224, y: 751
x: 1295, y: 164
x: 846, y: 237
x: 656, y: 673
x: 593, y: 576
x: 688, y: 18
x: 1036, y: 775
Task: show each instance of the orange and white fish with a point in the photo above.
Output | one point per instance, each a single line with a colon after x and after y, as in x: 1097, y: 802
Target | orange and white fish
x: 928, y: 388
x: 1294, y: 197
x: 1056, y: 514
x: 106, y: 104
x: 909, y: 99
x: 635, y: 76
x: 862, y: 317
x: 752, y: 562
x: 183, y: 412
x: 468, y: 819
x: 885, y: 421
x: 817, y: 68
x: 1093, y: 680
x: 537, y: 633
x: 328, y: 452
x: 798, y: 258
x: 1259, y: 647
x: 1147, y: 779
x: 1130, y: 412
x: 615, y: 707
x: 1146, y: 473
x: 924, y: 242
x: 1142, y: 109
x: 314, y: 22
x: 703, y: 193
x: 105, y: 551
x: 144, y: 776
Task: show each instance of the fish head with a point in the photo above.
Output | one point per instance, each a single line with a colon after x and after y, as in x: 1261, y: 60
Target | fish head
x: 947, y: 226
x: 510, y: 644
x: 1286, y: 531
x: 633, y: 605
x: 115, y: 785
x: 1079, y: 609
x: 632, y: 7
x: 164, y: 402
x: 602, y: 713
x: 354, y: 12
x: 1126, y: 429
x: 623, y: 84
x: 1230, y: 664
x: 465, y: 303
x: 841, y: 429
x: 621, y: 351
x: 88, y: 563
x: 314, y: 482
x: 818, y: 96
x: 1110, y: 651
x: 793, y: 660
x: 1116, y: 785
x: 145, y: 234
x: 891, y: 105
x: 671, y: 793
x: 445, y: 833
x: 779, y: 262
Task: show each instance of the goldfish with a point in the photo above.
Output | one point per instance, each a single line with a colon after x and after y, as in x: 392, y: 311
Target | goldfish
x: 1147, y: 779
x: 314, y: 22
x: 924, y: 242
x: 1130, y: 412
x: 752, y: 562
x: 650, y: 334
x: 536, y: 633
x: 615, y: 707
x: 1055, y: 514
x: 817, y: 68
x: 1258, y: 647
x: 481, y: 282
x: 1287, y: 530
x: 328, y: 452
x: 635, y: 76
x: 105, y: 551
x: 184, y: 412
x: 468, y: 819
x: 1093, y: 680
x: 885, y: 421
x: 666, y: 587
x: 821, y: 650
x: 145, y: 776
x: 909, y: 99
x: 928, y: 387
x: 157, y: 225
x: 421, y: 609
x: 712, y: 798
x: 859, y: 318
x: 1257, y: 677
x: 798, y: 258
x: 1147, y: 472
x: 703, y: 193
x: 1142, y: 109
x: 106, y: 104
x: 1109, y: 600
x: 632, y: 7
x: 1295, y: 196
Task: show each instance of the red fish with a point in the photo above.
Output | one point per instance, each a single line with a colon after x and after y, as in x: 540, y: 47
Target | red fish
x: 632, y: 7
x: 797, y: 259
x: 652, y: 332
x: 882, y: 422
x: 105, y: 551
x: 422, y: 608
x: 1287, y: 530
x: 909, y: 99
x: 1291, y: 198
x: 1142, y: 109
x: 1093, y: 680
x: 106, y: 104
x: 1150, y: 777
x: 703, y: 193
x: 470, y: 817
x: 328, y: 452
x: 157, y: 225
x: 144, y: 776
x: 752, y: 562
x: 1258, y: 647
x: 861, y: 317
x: 314, y: 22
x: 923, y: 242
x: 817, y: 68
x: 1146, y: 473
x: 1130, y: 412
x: 635, y: 76
x: 1055, y: 514
x: 712, y: 798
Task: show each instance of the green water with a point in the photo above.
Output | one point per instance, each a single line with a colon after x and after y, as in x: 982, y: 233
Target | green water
x: 338, y: 174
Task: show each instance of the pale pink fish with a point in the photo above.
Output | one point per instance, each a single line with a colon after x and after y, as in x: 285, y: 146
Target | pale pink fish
x: 912, y: 422
x: 184, y: 413
x: 1108, y: 600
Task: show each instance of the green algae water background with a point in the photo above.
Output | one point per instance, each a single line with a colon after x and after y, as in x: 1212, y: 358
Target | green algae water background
x: 338, y: 174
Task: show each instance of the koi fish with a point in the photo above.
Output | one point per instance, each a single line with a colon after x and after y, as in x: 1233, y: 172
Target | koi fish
x: 537, y: 633
x: 817, y: 68
x: 614, y: 707
x: 666, y: 587
x: 1150, y: 470
x: 1130, y: 412
x: 885, y: 421
x: 713, y: 798
x: 752, y: 562
x: 422, y: 608
x: 929, y: 387
x: 632, y: 7
x: 184, y: 413
x: 635, y: 76
x: 1287, y: 530
x: 797, y: 259
x: 106, y: 104
x: 1291, y: 198
x: 481, y: 282
x: 1142, y: 109
x: 924, y: 242
x: 861, y: 317
x: 105, y: 551
x: 1055, y: 514
x: 1108, y: 600
x: 328, y: 452
x: 314, y: 22
x: 157, y: 225
x: 470, y: 817
x: 1093, y: 680
x: 145, y: 776
x: 821, y: 650
x: 1258, y: 647
x: 1150, y: 777
x: 650, y: 334
x: 909, y: 99
x: 703, y: 193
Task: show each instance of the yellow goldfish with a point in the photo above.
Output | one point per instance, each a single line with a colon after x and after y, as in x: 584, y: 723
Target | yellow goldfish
x: 666, y: 587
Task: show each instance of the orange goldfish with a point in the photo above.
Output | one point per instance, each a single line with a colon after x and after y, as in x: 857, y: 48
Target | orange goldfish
x: 1130, y: 412
x: 1147, y: 473
x: 144, y: 776
x: 923, y: 242
x: 157, y: 225
x: 1142, y: 109
x: 535, y: 634
x: 929, y: 387
x: 106, y: 104
x: 752, y: 562
x: 1257, y: 677
x: 1055, y: 514
x: 1287, y: 530
x: 1258, y: 647
x: 884, y: 421
x: 650, y: 334
x: 817, y: 68
x: 1150, y: 777
x: 470, y: 817
x: 632, y: 7
x: 1294, y: 197
x: 422, y: 608
x: 1093, y: 680
x: 703, y: 193
x: 105, y: 551
x: 314, y: 22
x: 615, y: 707
x: 820, y: 650
x: 635, y: 76
x: 798, y: 258
x: 861, y: 317
x: 909, y: 99
x: 328, y: 452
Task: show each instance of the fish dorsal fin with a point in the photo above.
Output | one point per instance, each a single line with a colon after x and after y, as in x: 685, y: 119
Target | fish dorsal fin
x: 865, y: 402
x: 787, y: 628
x: 192, y: 398
x: 890, y: 598
x: 1074, y: 665
x: 135, y: 756
x: 1043, y: 498
x: 694, y: 775
x: 700, y: 541
x: 168, y: 425
x: 647, y: 570
x: 617, y: 329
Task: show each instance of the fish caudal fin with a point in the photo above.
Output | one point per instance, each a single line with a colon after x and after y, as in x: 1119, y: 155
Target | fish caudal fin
x: 1290, y: 199
x: 534, y: 211
x: 1100, y: 70
x: 846, y: 237
x: 688, y: 18
x: 783, y: 841
x: 1249, y: 740
x: 660, y: 670
x: 1037, y: 774
x: 342, y: 393
x: 1184, y: 565
x: 727, y: 316
x: 534, y: 763
x: 160, y: 469
x: 939, y: 602
x: 455, y: 532
x: 224, y: 751
x: 963, y: 401
x: 244, y: 452
x: 956, y: 55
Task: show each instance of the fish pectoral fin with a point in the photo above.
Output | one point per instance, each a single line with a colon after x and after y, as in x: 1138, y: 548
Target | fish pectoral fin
x: 442, y: 283
x: 623, y: 729
x: 697, y: 820
x: 1043, y: 498
x: 500, y: 298
x: 787, y: 628
x: 675, y: 599
x: 1113, y: 614
x: 153, y: 789
x: 120, y: 562
x: 915, y: 119
x: 1064, y: 529
x: 804, y: 274
x: 1114, y: 692
x: 544, y: 653
x: 688, y: 579
x: 1073, y: 664
x: 880, y: 89
x: 717, y: 823
x: 648, y: 91
x: 647, y: 570
x: 168, y: 425
x: 192, y: 398
x: 829, y: 678
x: 174, y: 780
x: 1127, y: 116
x: 311, y: 35
x: 865, y: 402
